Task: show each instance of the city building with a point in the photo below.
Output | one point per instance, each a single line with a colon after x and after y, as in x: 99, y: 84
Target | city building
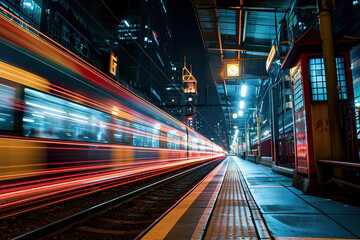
x: 64, y: 22
x: 144, y: 33
x: 190, y: 91
x: 28, y: 11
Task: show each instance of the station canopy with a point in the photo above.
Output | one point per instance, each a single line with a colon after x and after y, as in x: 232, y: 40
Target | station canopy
x: 239, y: 36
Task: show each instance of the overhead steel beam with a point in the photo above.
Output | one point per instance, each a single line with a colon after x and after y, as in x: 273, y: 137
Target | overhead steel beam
x: 257, y: 9
x: 236, y: 47
x: 243, y: 59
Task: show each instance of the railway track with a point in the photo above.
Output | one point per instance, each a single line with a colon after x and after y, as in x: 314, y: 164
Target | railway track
x: 126, y: 216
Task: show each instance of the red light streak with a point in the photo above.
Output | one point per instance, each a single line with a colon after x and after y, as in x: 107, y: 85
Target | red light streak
x: 51, y: 180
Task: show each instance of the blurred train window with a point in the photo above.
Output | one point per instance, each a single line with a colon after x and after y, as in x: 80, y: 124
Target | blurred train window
x: 47, y: 116
x: 7, y: 98
x: 122, y: 131
x: 145, y: 136
x: 173, y: 140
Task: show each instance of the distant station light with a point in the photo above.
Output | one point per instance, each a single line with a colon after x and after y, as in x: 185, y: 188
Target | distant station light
x: 242, y: 104
x: 243, y: 90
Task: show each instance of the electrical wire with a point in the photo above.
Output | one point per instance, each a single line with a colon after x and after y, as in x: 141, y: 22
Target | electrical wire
x: 160, y: 70
x: 143, y: 52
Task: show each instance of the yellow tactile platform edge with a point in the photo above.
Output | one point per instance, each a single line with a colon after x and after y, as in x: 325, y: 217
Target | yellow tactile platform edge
x: 161, y: 229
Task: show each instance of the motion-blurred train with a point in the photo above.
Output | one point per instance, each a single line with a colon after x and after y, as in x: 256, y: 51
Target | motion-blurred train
x: 65, y: 124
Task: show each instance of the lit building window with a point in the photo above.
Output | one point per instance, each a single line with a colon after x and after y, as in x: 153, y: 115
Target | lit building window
x: 31, y: 9
x: 318, y: 79
x: 190, y: 99
x: 341, y: 78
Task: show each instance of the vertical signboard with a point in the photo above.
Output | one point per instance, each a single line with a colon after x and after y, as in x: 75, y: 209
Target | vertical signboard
x: 300, y: 133
x: 270, y: 57
x: 113, y: 64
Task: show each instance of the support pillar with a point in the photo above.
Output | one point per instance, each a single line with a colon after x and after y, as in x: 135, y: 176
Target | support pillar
x: 246, y: 140
x: 274, y: 122
x: 327, y: 42
x: 258, y: 123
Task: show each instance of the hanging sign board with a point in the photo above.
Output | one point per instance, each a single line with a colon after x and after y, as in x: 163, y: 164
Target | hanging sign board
x: 271, y: 57
x: 113, y: 64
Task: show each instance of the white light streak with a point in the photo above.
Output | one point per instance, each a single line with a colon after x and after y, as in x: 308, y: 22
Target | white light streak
x: 47, y: 108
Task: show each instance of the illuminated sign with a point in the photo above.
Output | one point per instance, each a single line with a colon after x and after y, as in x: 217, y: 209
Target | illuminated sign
x: 155, y: 37
x: 271, y: 57
x: 113, y: 64
x: 190, y: 122
x: 232, y: 69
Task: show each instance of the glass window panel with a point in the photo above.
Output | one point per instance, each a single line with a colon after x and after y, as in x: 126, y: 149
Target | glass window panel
x: 7, y: 100
x: 122, y: 131
x: 56, y: 118
x: 145, y: 136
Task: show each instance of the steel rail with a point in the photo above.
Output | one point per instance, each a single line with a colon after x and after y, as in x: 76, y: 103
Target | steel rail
x: 67, y: 223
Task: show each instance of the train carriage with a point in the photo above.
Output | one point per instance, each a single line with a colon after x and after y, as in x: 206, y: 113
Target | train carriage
x: 64, y: 124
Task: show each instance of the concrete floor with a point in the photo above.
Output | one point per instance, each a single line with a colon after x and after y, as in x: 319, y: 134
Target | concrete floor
x: 288, y: 212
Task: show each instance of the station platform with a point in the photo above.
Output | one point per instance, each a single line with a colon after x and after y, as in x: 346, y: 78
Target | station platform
x: 243, y: 200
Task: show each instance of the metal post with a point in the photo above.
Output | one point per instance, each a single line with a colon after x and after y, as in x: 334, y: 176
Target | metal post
x: 246, y: 139
x: 274, y: 122
x: 258, y: 121
x: 327, y: 43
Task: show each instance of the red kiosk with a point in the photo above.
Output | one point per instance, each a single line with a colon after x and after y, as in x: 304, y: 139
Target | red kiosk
x: 310, y: 106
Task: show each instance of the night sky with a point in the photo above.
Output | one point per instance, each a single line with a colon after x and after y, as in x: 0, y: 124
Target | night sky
x: 188, y: 41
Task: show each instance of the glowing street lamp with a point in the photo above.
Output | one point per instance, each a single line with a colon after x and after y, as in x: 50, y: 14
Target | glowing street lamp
x: 234, y: 116
x: 241, y: 113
